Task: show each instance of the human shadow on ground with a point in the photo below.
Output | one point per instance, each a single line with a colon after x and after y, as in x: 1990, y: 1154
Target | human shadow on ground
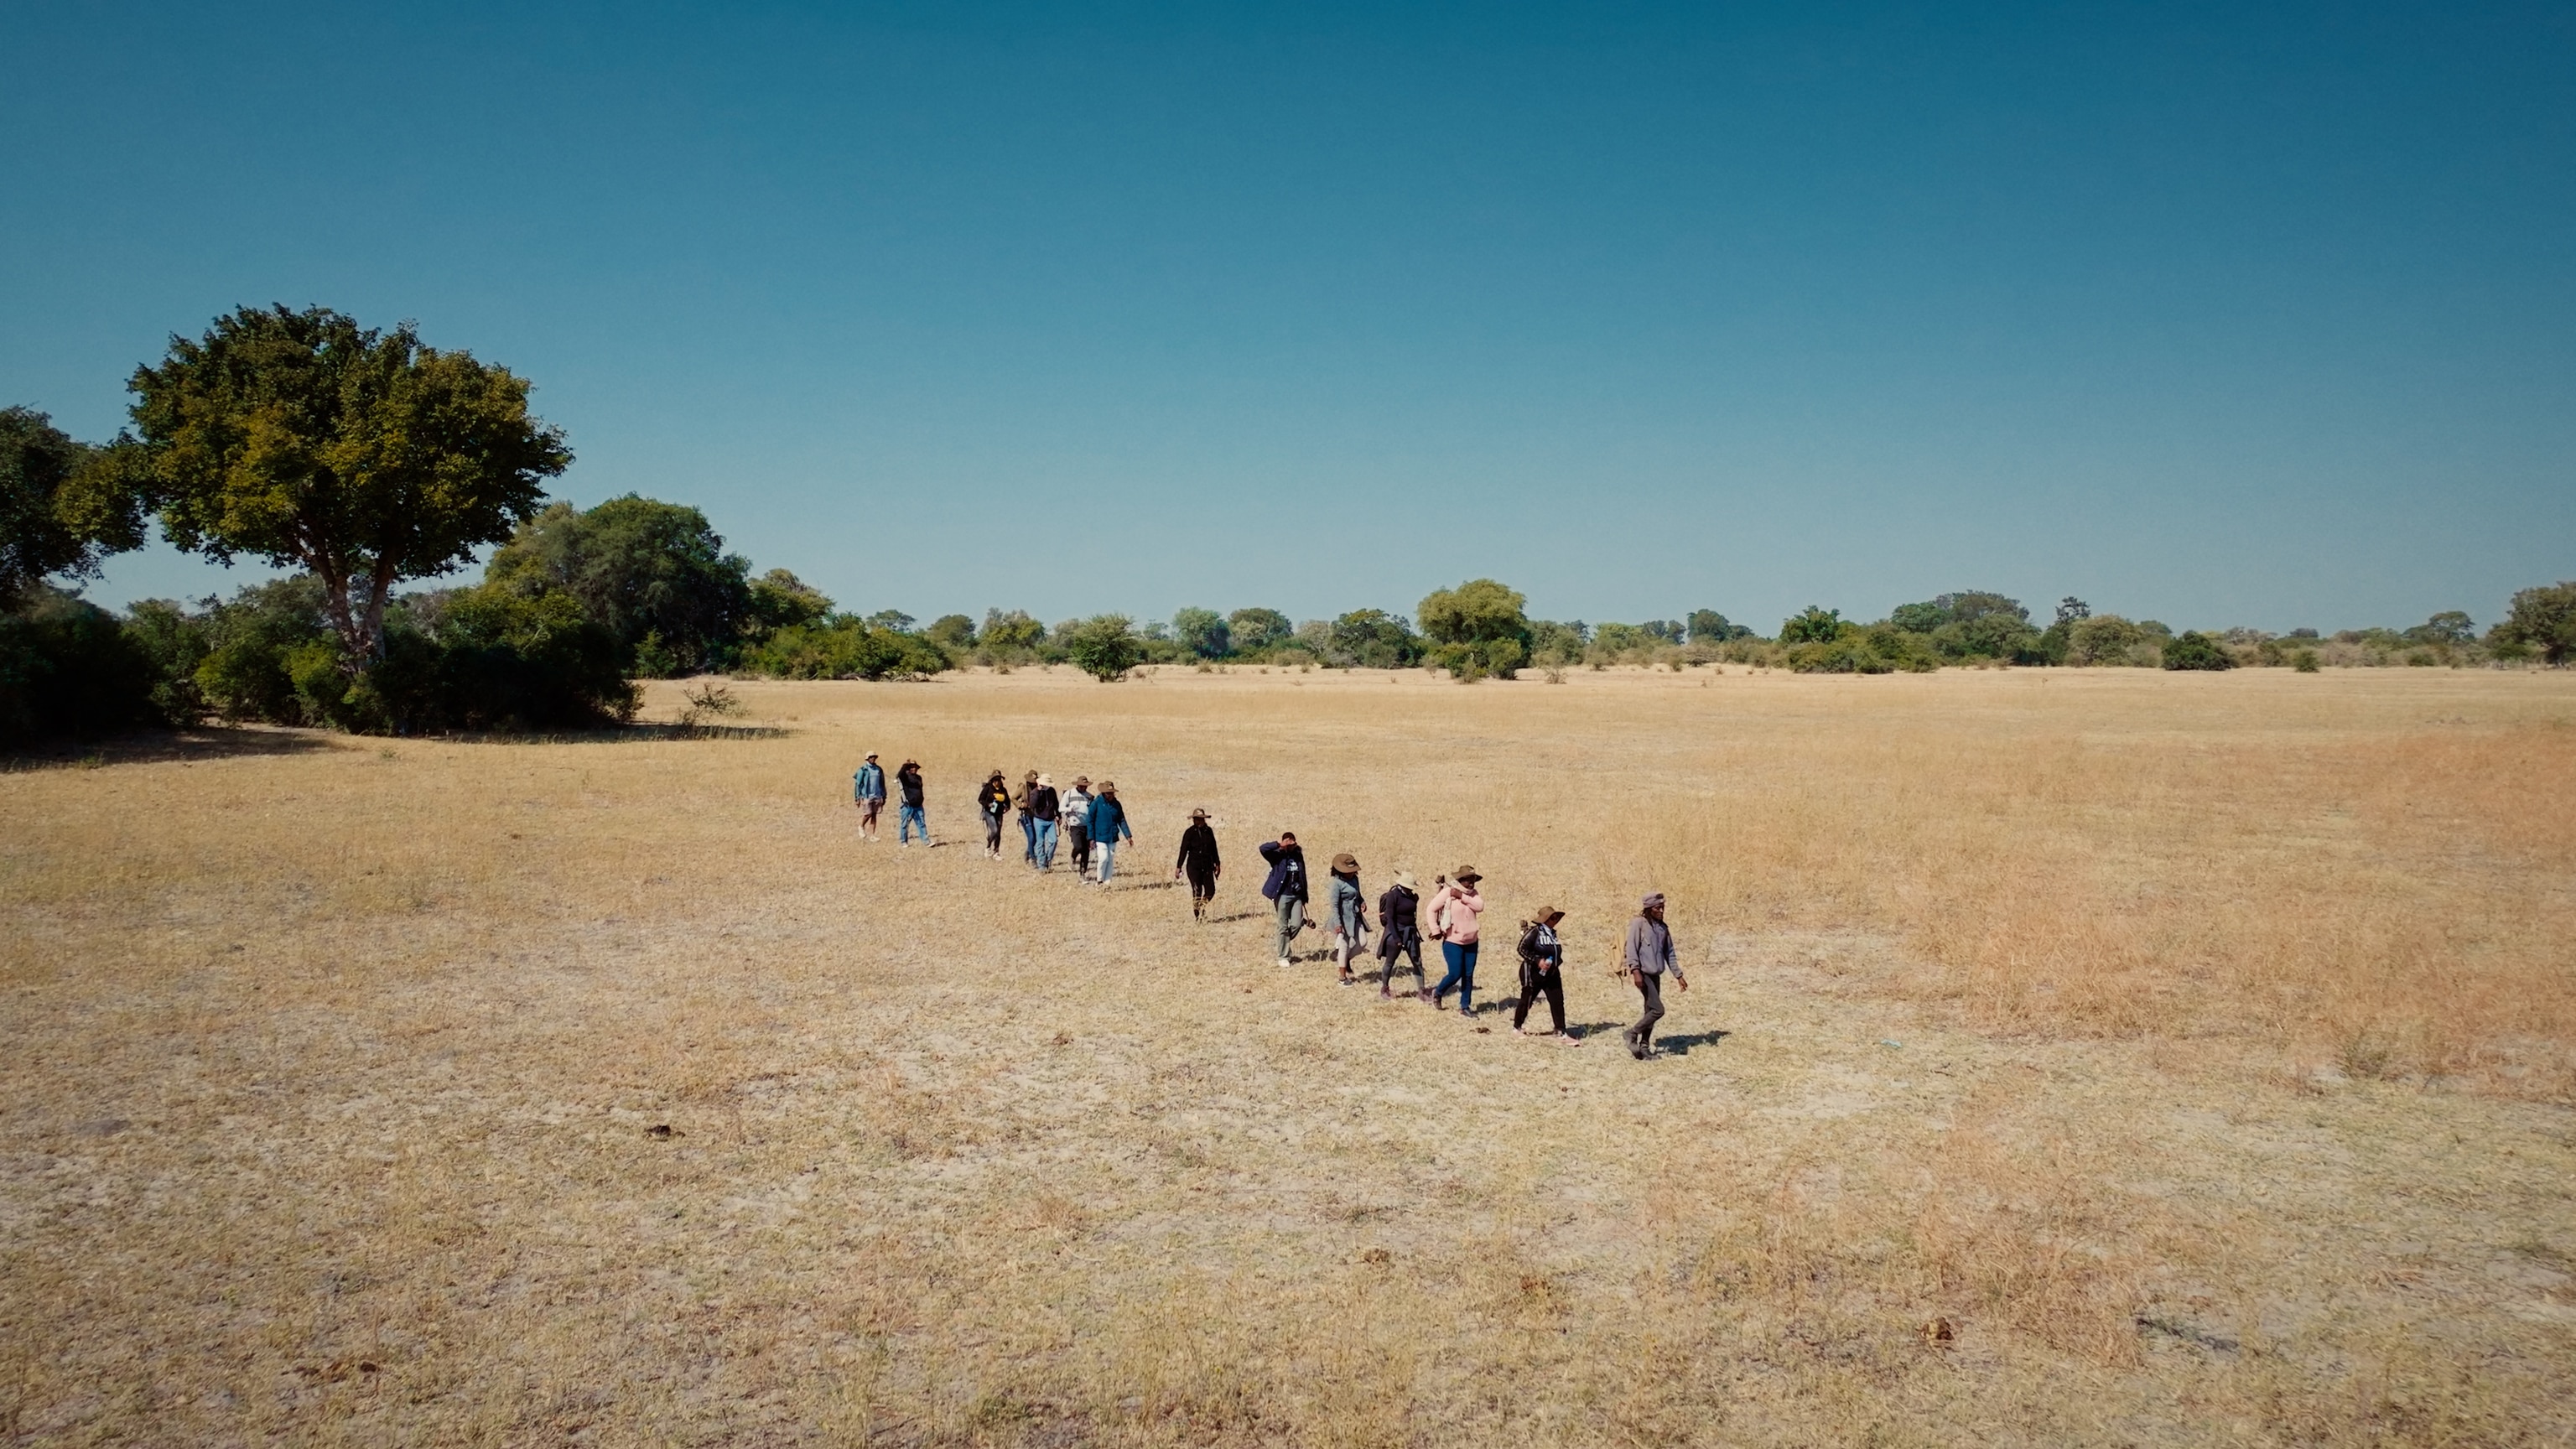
x: 157, y: 747
x: 1680, y: 1046
x: 1237, y: 916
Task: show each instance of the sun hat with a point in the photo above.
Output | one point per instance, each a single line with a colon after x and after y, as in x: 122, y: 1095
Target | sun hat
x: 1198, y: 815
x: 1547, y: 915
x: 872, y: 754
x: 1343, y: 862
x: 1082, y: 782
x: 1047, y: 780
x: 1108, y: 787
x: 1404, y: 878
x: 1465, y: 872
x: 1652, y: 900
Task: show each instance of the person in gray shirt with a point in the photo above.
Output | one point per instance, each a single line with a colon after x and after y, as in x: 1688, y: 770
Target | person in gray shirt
x: 1646, y: 957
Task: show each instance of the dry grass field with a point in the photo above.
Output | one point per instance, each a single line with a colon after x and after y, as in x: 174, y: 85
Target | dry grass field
x: 2096, y: 1057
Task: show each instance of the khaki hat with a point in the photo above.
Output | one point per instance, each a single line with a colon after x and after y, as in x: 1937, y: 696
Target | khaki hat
x: 1198, y: 815
x: 1082, y: 782
x: 1343, y: 862
x: 872, y: 754
x: 1108, y: 787
x: 1651, y: 901
x: 1547, y: 915
x: 1047, y: 780
x: 1404, y: 878
x: 1465, y: 872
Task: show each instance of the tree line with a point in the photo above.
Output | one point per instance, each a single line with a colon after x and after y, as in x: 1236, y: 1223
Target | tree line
x: 362, y: 460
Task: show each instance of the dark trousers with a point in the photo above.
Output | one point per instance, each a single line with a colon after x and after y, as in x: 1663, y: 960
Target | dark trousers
x: 1462, y: 974
x: 1202, y: 889
x: 992, y: 830
x: 1411, y: 948
x: 1077, y: 838
x: 1552, y: 983
x: 1641, y: 1037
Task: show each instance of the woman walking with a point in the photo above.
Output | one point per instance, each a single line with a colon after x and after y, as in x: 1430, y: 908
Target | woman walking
x: 1286, y: 890
x: 1399, y: 933
x: 1042, y: 804
x: 1198, y: 864
x: 1453, y: 915
x: 1076, y: 814
x: 995, y: 801
x: 1342, y: 899
x: 1108, y: 827
x: 1543, y: 972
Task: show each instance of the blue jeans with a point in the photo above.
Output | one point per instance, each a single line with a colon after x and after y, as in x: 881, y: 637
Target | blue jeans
x: 1046, y: 844
x: 1029, y: 832
x: 1103, y: 852
x: 908, y: 817
x: 1462, y: 974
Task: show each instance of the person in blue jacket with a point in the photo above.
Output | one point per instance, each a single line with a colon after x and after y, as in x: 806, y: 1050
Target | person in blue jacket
x: 1108, y: 827
x: 868, y: 792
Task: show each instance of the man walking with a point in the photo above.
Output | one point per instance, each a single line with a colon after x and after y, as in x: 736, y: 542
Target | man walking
x: 1399, y: 933
x: 868, y: 792
x: 1342, y: 897
x: 1286, y: 889
x: 1198, y: 864
x: 1028, y: 820
x: 1108, y: 827
x: 1647, y: 956
x: 908, y: 815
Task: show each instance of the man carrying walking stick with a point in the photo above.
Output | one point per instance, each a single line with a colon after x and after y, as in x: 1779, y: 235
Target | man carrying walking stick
x: 1645, y: 959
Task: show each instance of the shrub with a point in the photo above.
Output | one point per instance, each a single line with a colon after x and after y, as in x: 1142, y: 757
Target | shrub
x: 1851, y: 655
x: 845, y: 648
x: 67, y: 668
x: 2195, y: 650
x: 2305, y: 661
x: 1104, y: 646
x: 1813, y: 625
x: 2101, y: 639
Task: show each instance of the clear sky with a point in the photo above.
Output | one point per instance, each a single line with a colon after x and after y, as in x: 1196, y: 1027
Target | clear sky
x: 2214, y: 314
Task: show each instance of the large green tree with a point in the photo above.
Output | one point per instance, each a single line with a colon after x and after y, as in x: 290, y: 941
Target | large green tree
x: 654, y: 574
x: 2543, y: 618
x: 55, y: 518
x: 1480, y: 627
x: 363, y: 457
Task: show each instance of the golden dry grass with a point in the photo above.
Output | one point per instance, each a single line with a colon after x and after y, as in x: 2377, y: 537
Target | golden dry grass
x: 2075, y: 1058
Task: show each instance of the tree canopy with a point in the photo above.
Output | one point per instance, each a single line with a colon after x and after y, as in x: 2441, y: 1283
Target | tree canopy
x: 54, y: 519
x: 654, y: 574
x: 362, y: 456
x: 2543, y: 618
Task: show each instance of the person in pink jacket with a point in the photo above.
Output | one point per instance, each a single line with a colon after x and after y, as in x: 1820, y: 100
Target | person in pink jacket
x: 1454, y: 909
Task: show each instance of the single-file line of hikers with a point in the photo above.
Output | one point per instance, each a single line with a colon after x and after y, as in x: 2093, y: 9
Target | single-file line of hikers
x: 1088, y: 824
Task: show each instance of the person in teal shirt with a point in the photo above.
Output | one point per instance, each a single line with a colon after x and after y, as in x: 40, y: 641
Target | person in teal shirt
x: 1108, y: 827
x: 868, y: 792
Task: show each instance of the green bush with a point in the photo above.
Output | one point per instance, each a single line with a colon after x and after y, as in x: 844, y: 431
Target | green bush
x: 2195, y: 650
x: 1851, y: 654
x: 68, y: 669
x: 1104, y: 646
x: 844, y: 648
x: 2305, y: 661
x: 1812, y: 625
x: 1479, y: 629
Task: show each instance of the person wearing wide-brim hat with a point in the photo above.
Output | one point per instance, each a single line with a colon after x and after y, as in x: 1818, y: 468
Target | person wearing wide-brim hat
x: 1108, y: 828
x: 1073, y: 811
x: 1543, y: 972
x: 1199, y: 863
x: 1043, y: 803
x: 1647, y: 955
x: 1399, y: 933
x: 1028, y: 817
x: 1342, y: 898
x: 910, y: 815
x: 868, y: 792
x: 993, y: 802
x: 1454, y: 909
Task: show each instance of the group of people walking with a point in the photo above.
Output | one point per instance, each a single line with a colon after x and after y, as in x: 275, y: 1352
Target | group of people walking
x: 1091, y: 824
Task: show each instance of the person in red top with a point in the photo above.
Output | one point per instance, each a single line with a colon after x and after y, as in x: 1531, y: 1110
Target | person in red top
x: 1454, y: 909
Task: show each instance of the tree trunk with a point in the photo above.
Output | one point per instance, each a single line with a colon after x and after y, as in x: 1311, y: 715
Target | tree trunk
x: 335, y: 603
x: 378, y: 586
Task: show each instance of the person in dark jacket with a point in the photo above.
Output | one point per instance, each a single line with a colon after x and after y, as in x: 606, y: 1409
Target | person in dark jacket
x: 1286, y: 889
x: 1543, y: 972
x: 1399, y: 933
x: 1108, y: 827
x: 908, y: 815
x: 1198, y: 864
x: 868, y: 792
x: 994, y: 801
x: 1042, y: 804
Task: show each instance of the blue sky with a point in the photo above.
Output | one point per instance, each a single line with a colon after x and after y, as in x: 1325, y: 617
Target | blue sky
x: 2212, y: 314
